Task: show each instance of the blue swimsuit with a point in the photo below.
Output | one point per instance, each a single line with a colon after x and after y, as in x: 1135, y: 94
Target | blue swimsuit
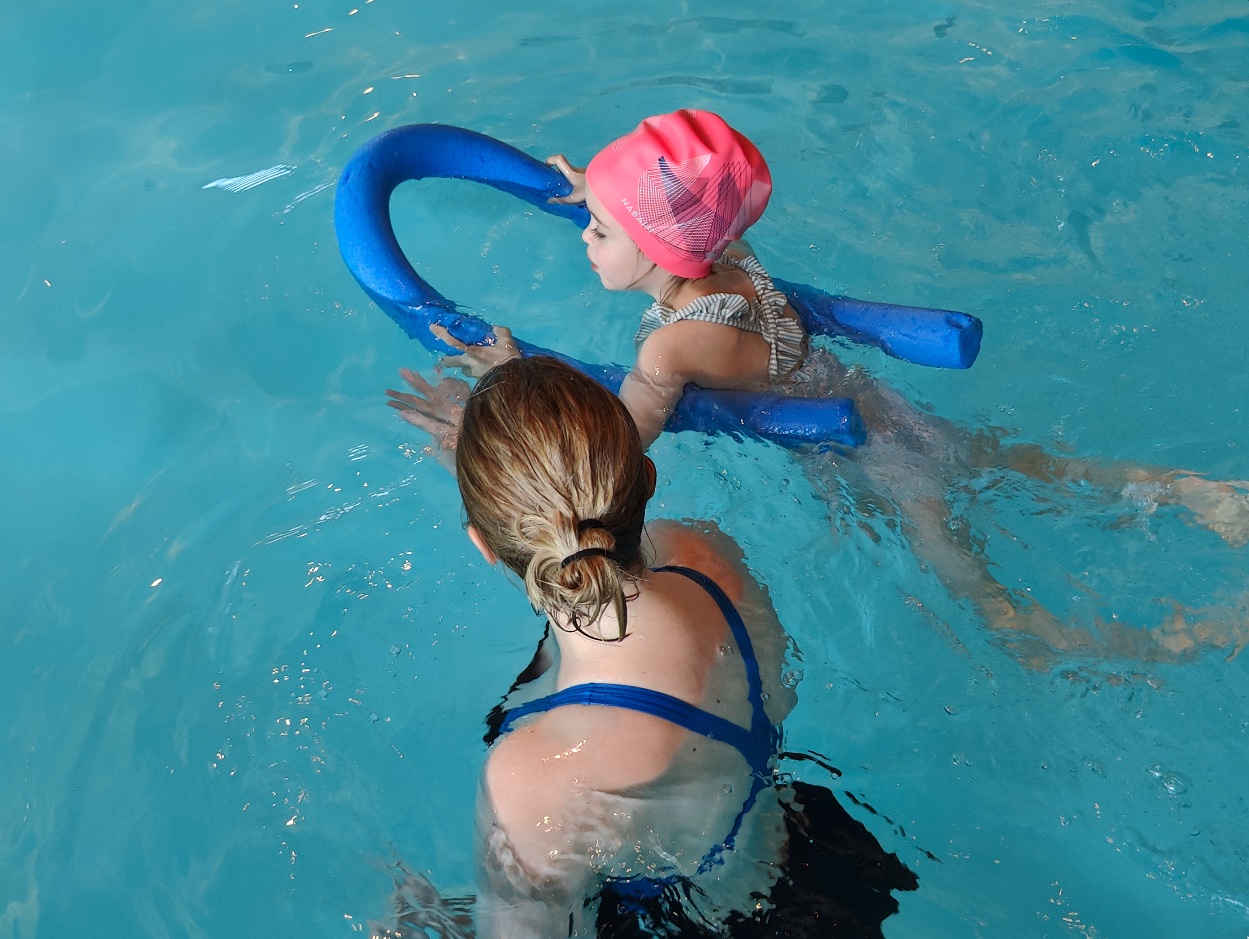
x: 757, y: 744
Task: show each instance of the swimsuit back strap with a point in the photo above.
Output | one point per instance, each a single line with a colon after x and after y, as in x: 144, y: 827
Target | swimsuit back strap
x: 759, y: 723
x: 647, y: 701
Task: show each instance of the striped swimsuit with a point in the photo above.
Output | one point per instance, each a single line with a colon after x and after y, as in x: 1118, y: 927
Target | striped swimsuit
x: 765, y: 315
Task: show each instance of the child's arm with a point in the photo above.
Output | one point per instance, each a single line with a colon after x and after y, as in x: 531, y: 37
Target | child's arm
x: 689, y: 351
x: 673, y: 356
x: 651, y: 392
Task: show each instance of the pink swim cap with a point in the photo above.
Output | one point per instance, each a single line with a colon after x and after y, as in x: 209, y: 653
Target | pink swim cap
x: 683, y: 185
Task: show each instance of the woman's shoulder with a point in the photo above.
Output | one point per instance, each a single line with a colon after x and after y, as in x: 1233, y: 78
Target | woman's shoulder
x: 545, y: 782
x: 702, y: 547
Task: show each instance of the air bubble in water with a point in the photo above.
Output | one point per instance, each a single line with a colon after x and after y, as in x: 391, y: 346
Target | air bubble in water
x: 1174, y: 783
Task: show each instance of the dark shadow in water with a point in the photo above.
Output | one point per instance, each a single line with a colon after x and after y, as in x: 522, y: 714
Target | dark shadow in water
x: 838, y: 882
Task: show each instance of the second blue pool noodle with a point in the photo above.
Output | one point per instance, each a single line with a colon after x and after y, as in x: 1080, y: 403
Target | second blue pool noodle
x: 939, y: 338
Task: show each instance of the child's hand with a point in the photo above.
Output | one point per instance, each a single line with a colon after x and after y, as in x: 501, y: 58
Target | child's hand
x: 475, y: 361
x: 574, y: 174
x: 435, y: 409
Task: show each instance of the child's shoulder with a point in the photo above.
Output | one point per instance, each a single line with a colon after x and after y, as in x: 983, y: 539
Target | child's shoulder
x: 723, y: 291
x: 736, y: 274
x: 733, y: 280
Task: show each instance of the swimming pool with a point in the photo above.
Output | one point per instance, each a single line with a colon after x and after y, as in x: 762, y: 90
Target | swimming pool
x: 237, y: 607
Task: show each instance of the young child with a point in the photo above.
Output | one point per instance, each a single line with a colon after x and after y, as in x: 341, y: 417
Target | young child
x: 668, y: 203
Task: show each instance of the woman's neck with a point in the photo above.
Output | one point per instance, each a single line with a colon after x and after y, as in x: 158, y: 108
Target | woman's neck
x: 588, y: 640
x: 605, y: 629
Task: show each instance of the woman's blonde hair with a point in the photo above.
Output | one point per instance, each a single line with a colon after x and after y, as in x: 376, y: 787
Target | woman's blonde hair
x: 553, y: 477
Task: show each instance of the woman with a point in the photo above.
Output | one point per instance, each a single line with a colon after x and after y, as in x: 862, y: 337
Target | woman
x: 631, y: 781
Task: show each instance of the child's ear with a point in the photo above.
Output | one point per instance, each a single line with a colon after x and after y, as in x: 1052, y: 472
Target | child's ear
x: 480, y: 543
x: 648, y: 467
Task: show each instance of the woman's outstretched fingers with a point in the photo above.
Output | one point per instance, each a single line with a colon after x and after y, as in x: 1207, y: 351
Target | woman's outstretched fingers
x: 416, y: 380
x: 416, y: 411
x: 434, y: 408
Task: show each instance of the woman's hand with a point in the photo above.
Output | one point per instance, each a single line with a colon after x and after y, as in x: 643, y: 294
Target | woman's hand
x: 435, y: 409
x: 475, y: 361
x: 574, y: 174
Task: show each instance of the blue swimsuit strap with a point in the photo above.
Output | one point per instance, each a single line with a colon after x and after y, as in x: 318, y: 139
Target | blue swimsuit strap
x: 760, y: 727
x: 756, y: 744
x: 646, y: 701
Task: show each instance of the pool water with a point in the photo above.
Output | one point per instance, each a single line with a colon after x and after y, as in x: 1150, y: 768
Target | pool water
x: 237, y: 609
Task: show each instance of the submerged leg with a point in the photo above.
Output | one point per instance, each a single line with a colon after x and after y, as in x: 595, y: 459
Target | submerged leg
x: 1183, y: 635
x: 1221, y: 506
x: 912, y: 461
x: 965, y: 573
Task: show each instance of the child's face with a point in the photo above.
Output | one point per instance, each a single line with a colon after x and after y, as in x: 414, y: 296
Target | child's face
x: 615, y: 257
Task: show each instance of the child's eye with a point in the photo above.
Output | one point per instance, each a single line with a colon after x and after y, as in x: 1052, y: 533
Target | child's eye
x: 596, y: 233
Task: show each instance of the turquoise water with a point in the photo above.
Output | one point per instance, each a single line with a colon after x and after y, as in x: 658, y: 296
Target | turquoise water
x: 237, y: 610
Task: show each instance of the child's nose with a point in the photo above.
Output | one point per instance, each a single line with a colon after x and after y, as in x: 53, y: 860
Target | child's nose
x: 585, y: 234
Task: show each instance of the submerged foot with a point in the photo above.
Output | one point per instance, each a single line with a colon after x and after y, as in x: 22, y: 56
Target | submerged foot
x: 1187, y: 633
x: 1183, y: 636
x: 1221, y: 506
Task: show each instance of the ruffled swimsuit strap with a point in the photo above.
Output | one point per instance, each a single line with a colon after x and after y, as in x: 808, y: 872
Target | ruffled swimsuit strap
x: 786, y: 338
x: 724, y: 309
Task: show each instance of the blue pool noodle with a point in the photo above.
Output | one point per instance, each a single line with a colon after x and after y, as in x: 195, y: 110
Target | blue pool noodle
x: 939, y: 338
x: 367, y: 241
